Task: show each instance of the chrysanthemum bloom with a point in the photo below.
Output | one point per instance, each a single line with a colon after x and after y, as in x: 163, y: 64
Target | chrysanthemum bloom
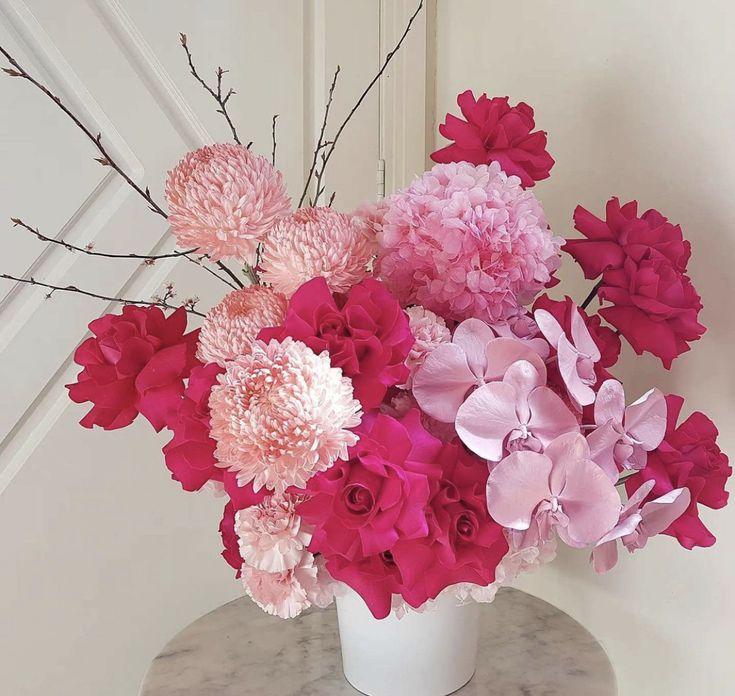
x: 281, y: 414
x: 231, y: 326
x: 429, y: 330
x: 317, y: 242
x: 283, y: 594
x: 271, y: 535
x: 222, y: 199
x: 495, y: 131
x: 466, y: 241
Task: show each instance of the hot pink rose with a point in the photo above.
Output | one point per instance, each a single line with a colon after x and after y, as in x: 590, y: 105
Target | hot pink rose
x: 363, y: 506
x: 365, y: 331
x: 190, y: 453
x: 136, y: 362
x: 495, y: 131
x: 687, y: 458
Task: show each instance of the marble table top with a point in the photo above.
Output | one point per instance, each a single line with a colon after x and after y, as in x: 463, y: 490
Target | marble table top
x: 527, y: 648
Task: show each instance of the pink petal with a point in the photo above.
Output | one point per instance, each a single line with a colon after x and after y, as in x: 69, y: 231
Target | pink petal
x: 582, y: 338
x: 602, y: 443
x: 567, y: 358
x: 501, y: 353
x: 548, y: 326
x: 442, y: 382
x: 550, y: 416
x: 516, y: 486
x: 472, y: 336
x: 610, y: 404
x: 486, y: 418
x: 660, y: 514
x: 605, y: 557
x: 645, y: 419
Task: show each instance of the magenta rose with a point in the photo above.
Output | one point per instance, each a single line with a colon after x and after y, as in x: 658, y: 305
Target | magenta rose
x: 365, y: 332
x: 495, y: 131
x: 190, y: 453
x: 136, y: 362
x: 689, y: 458
x: 654, y: 306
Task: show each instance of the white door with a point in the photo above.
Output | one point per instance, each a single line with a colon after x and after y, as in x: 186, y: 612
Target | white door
x: 103, y: 557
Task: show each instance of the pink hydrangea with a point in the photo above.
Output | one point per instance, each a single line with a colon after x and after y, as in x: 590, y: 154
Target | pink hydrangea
x: 281, y: 414
x: 430, y: 331
x: 231, y: 326
x: 317, y: 242
x: 271, y: 535
x: 223, y: 199
x: 466, y: 241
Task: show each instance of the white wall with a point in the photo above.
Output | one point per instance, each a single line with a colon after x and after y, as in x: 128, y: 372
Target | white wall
x: 638, y: 98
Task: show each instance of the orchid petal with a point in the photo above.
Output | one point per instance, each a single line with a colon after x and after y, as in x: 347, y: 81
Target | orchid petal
x: 472, y: 336
x: 659, y: 514
x: 602, y: 443
x: 568, y: 357
x: 645, y: 419
x: 582, y: 338
x: 442, y: 382
x: 486, y: 418
x: 501, y: 353
x: 516, y: 486
x: 548, y: 326
x: 550, y: 416
x: 610, y: 403
x: 605, y: 557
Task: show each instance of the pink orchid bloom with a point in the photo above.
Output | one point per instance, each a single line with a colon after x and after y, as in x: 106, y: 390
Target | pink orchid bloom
x: 624, y: 436
x: 638, y: 524
x: 475, y: 357
x: 561, y: 489
x: 518, y: 413
x: 576, y: 357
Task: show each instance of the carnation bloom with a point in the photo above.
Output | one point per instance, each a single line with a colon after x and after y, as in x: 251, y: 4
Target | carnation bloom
x: 271, y: 535
x: 223, y: 199
x: 495, y: 131
x: 466, y: 241
x: 688, y: 457
x: 281, y: 414
x: 231, y: 326
x: 285, y: 594
x: 317, y: 242
x: 429, y: 331
x: 135, y: 362
x: 365, y: 332
x: 190, y: 453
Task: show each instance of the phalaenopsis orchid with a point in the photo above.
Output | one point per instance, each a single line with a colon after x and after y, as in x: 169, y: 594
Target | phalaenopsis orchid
x: 389, y: 398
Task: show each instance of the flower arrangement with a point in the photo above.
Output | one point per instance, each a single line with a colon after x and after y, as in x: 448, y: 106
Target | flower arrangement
x: 389, y: 398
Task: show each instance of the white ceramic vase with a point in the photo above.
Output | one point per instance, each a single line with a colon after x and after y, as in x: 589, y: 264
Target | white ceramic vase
x: 432, y: 653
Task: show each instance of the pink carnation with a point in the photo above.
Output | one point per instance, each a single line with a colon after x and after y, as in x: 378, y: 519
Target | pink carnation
x: 466, y: 241
x: 281, y: 414
x: 222, y: 200
x: 429, y: 330
x: 317, y: 242
x: 271, y: 535
x: 233, y: 324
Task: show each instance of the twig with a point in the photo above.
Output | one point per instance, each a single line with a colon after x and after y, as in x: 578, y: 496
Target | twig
x: 89, y: 250
x: 592, y: 295
x: 215, y: 94
x: 330, y: 150
x: 320, y: 143
x: 73, y: 288
x: 106, y: 159
x: 273, y: 156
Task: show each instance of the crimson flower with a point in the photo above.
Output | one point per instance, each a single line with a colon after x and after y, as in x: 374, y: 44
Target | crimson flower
x: 689, y: 458
x: 495, y: 131
x: 135, y: 362
x: 365, y: 331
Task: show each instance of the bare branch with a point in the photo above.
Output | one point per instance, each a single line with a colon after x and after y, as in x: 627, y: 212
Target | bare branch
x: 273, y: 155
x: 74, y: 289
x: 215, y: 94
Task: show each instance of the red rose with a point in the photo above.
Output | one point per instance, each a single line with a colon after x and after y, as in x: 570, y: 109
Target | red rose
x: 625, y: 234
x: 190, y: 453
x: 495, y: 131
x: 365, y: 332
x: 654, y: 306
x: 135, y: 362
x: 689, y: 458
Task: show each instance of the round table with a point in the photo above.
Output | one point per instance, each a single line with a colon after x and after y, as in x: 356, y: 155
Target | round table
x: 527, y: 648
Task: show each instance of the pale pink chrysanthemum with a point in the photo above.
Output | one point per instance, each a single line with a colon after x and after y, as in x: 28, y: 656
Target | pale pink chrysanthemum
x: 429, y: 330
x: 466, y: 241
x: 284, y: 594
x: 281, y: 414
x: 223, y: 199
x: 271, y: 534
x: 231, y: 326
x: 317, y: 242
